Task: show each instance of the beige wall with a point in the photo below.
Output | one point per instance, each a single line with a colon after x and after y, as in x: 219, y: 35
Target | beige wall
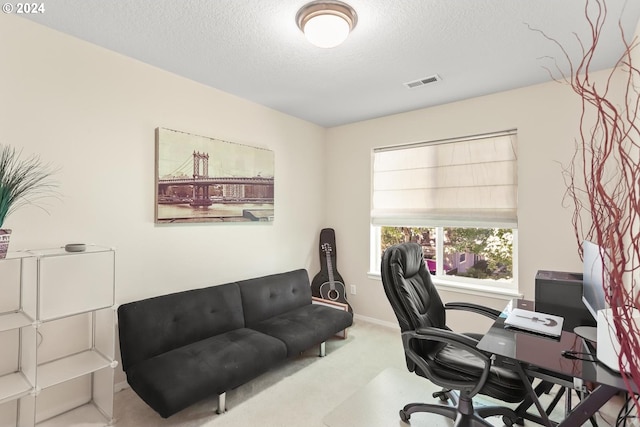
x: 546, y: 119
x: 93, y: 112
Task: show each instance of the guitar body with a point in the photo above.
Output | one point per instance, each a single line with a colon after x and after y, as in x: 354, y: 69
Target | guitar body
x: 333, y: 291
x: 328, y: 283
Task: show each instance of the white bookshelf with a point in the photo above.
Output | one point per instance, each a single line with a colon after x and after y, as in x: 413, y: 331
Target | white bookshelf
x: 57, y: 321
x: 17, y: 337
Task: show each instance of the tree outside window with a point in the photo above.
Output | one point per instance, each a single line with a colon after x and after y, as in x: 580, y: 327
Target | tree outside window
x: 481, y: 253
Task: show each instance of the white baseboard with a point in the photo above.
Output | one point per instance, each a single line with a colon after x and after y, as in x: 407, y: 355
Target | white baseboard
x: 373, y: 320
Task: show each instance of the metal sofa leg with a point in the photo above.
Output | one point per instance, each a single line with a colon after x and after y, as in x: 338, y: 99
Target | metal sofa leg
x: 323, y: 351
x: 222, y: 403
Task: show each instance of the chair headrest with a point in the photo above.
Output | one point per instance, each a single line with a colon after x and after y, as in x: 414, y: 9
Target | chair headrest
x: 409, y: 288
x: 409, y: 257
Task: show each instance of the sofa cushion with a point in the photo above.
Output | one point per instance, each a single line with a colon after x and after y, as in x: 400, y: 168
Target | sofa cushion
x: 268, y: 296
x: 156, y: 325
x: 304, y: 327
x: 176, y: 379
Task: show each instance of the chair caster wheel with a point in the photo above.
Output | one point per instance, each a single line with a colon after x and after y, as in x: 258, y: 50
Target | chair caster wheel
x: 442, y: 395
x: 404, y: 416
x: 507, y: 421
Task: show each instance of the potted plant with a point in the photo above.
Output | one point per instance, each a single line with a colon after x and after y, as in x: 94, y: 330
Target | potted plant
x: 23, y: 181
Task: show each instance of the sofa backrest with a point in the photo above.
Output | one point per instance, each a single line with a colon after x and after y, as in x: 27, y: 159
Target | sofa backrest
x: 156, y: 325
x: 268, y: 296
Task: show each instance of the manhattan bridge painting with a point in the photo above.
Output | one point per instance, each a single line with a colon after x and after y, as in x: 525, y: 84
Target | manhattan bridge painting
x: 202, y: 179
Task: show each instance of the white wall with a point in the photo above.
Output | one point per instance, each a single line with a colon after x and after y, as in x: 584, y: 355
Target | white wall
x: 93, y: 113
x: 546, y: 117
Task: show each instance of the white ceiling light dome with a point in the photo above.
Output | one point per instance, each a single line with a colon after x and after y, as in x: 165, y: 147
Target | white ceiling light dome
x: 326, y: 24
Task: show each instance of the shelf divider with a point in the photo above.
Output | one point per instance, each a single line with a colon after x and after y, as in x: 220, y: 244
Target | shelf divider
x: 13, y: 386
x: 15, y: 320
x: 77, y: 365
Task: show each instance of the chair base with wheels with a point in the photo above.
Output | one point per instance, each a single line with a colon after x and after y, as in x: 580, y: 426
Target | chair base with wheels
x: 462, y: 411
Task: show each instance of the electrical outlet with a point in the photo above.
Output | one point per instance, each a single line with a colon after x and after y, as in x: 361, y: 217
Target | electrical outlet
x: 353, y: 289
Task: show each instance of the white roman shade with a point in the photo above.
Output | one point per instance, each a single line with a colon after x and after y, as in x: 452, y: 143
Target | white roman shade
x: 468, y: 181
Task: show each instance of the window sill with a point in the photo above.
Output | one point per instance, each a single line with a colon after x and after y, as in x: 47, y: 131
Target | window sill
x: 468, y: 288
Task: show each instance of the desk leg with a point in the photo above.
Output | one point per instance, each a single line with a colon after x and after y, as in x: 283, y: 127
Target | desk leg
x: 534, y: 397
x: 543, y: 387
x: 589, y: 406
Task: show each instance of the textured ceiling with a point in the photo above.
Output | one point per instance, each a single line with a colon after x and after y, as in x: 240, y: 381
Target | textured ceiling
x: 253, y: 48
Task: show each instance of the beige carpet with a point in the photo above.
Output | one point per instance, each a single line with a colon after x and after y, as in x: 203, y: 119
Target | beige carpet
x: 362, y: 382
x: 299, y: 393
x: 378, y: 403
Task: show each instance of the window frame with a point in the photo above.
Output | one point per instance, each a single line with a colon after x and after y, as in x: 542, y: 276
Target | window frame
x: 483, y: 287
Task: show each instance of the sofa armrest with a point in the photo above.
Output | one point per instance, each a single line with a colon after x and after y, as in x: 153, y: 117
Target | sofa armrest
x: 333, y: 304
x: 328, y: 302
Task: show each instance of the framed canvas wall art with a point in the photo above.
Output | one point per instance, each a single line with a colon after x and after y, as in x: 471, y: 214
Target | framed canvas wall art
x: 204, y: 179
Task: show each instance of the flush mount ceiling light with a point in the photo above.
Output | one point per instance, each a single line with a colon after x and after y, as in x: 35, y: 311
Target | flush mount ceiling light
x: 325, y: 23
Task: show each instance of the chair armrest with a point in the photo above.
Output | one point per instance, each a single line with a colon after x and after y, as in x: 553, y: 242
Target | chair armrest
x: 474, y: 308
x: 447, y: 336
x: 452, y: 338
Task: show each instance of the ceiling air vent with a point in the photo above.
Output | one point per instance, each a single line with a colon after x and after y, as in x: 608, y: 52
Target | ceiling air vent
x: 423, y: 81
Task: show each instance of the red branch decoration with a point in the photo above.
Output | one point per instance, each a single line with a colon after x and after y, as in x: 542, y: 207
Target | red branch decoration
x: 603, y: 179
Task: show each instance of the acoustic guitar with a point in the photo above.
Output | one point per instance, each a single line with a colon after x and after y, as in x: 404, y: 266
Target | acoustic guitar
x: 332, y: 290
x: 328, y: 284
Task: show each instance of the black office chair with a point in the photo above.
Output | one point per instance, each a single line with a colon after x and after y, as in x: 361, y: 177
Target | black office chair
x: 448, y: 359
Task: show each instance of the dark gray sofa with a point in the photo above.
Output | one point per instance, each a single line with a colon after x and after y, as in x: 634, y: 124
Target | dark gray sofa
x: 183, y: 347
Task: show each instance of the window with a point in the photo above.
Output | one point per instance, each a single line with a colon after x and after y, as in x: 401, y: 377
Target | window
x: 479, y: 253
x: 458, y: 199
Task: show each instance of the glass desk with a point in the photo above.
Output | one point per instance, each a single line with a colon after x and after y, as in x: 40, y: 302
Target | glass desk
x: 541, y: 357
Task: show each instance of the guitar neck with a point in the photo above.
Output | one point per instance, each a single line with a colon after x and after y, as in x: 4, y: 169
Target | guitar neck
x: 330, y: 268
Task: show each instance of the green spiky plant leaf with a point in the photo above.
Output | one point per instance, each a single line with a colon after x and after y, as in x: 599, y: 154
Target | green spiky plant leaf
x: 22, y: 181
